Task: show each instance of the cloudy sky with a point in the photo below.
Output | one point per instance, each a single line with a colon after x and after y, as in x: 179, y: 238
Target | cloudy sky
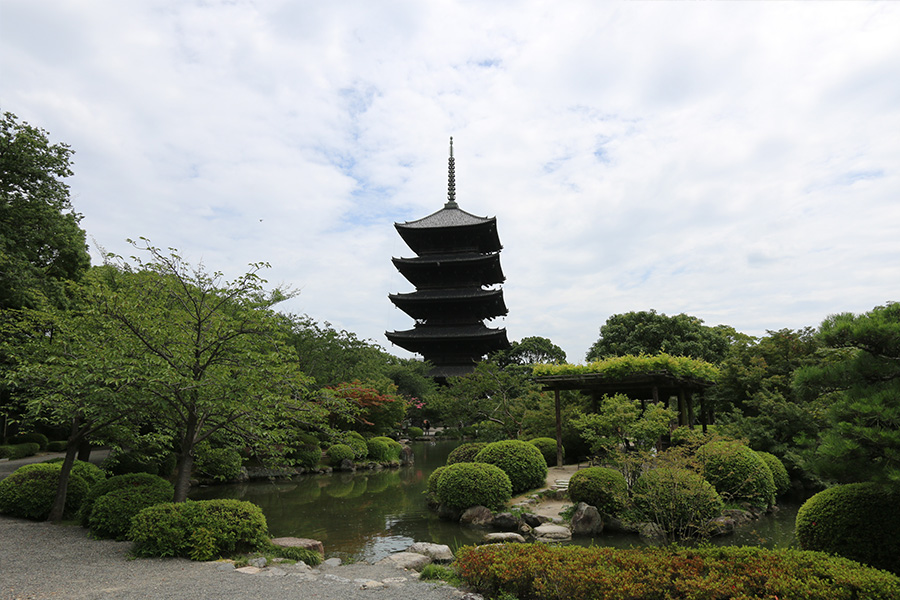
x: 736, y: 161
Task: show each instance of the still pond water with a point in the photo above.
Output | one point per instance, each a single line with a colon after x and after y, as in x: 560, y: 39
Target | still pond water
x: 367, y: 515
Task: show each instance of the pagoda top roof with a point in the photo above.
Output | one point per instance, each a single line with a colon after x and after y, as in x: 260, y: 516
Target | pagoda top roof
x: 449, y: 216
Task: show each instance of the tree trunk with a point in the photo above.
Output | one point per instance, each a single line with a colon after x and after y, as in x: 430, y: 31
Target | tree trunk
x: 59, y: 502
x: 84, y: 451
x: 185, y: 460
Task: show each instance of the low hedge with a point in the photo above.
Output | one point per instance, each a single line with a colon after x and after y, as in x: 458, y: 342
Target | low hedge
x: 415, y: 432
x: 547, y: 446
x: 201, y: 530
x: 57, y: 446
x: 17, y: 451
x: 140, y: 481
x: 521, y: 461
x: 462, y: 485
x: 600, y: 487
x: 112, y: 513
x: 860, y: 521
x: 545, y: 572
x: 30, y: 490
x: 465, y: 452
x: 738, y: 473
x: 32, y: 437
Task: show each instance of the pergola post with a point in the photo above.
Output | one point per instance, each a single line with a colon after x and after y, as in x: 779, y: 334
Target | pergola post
x: 682, y: 407
x: 559, y: 446
x: 690, y: 407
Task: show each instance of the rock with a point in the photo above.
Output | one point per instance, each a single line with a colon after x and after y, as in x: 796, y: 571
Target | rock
x: 614, y: 524
x: 249, y: 570
x: 368, y: 584
x: 335, y: 578
x: 505, y: 521
x: 333, y: 562
x: 741, y: 517
x: 535, y: 520
x: 259, y: 562
x: 406, y: 560
x: 552, y: 533
x: 449, y: 514
x: 406, y: 456
x: 272, y: 572
x: 719, y: 526
x: 526, y: 529
x: 652, y: 534
x: 586, y: 520
x: 227, y: 566
x: 479, y: 516
x: 505, y: 537
x: 439, y: 553
x: 394, y: 581
x: 347, y: 465
x: 295, y: 542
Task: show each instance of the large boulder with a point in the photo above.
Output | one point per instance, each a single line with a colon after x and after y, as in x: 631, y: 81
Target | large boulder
x: 503, y: 537
x: 586, y: 520
x: 407, y: 560
x: 552, y: 533
x: 295, y: 542
x: 652, y: 534
x: 478, y: 516
x: 505, y: 522
x: 439, y: 553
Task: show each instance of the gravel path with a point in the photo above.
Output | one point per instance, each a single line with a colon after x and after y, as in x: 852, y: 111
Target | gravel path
x: 41, y: 560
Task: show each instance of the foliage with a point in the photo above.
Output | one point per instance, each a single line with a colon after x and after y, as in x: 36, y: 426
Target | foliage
x: 529, y: 351
x: 859, y: 521
x: 465, y: 452
x: 357, y: 443
x: 30, y: 490
x: 646, y: 332
x: 433, y: 572
x: 17, y: 451
x: 737, y: 472
x: 90, y: 472
x: 218, y: 464
x: 617, y: 367
x: 310, y: 557
x: 32, y: 437
x: 112, y: 512
x: 394, y: 448
x: 127, y: 481
x: 433, y: 479
x: 859, y: 382
x: 377, y: 411
x: 57, y: 446
x: 338, y: 453
x: 779, y: 473
x: 621, y: 423
x: 306, y: 451
x: 462, y: 485
x: 521, y: 461
x: 414, y: 432
x: 600, y: 487
x: 378, y: 450
x: 547, y: 447
x: 679, y: 500
x: 122, y: 461
x: 199, y: 530
x: 545, y: 572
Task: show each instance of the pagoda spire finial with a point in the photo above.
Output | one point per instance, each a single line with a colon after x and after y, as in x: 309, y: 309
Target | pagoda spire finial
x: 451, y: 181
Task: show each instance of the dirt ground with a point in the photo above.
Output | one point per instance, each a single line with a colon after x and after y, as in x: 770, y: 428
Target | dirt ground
x: 547, y: 506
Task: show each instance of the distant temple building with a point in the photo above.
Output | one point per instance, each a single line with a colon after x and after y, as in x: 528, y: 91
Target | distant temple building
x: 456, y: 273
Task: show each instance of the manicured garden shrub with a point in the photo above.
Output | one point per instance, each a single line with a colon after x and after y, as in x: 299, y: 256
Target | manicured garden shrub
x: 860, y: 521
x: 140, y: 481
x: 199, y: 530
x: 378, y: 450
x: 547, y: 446
x: 521, y: 461
x: 17, y: 451
x: 357, y: 443
x: 433, y: 481
x: 112, y: 512
x: 57, y: 446
x: 546, y: 572
x: 394, y: 447
x: 488, y: 431
x: 90, y: 472
x: 121, y: 462
x: 779, y: 473
x: 218, y: 464
x: 465, y: 452
x: 339, y: 453
x: 679, y: 500
x: 31, y: 437
x: 737, y: 472
x: 307, y: 453
x: 600, y: 487
x: 415, y: 432
x: 462, y: 485
x: 30, y: 490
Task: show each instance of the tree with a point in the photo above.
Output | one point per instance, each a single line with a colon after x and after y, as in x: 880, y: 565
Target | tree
x: 646, y: 332
x: 530, y: 351
x: 858, y: 379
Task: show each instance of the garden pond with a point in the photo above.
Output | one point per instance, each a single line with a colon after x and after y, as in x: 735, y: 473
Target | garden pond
x: 367, y: 515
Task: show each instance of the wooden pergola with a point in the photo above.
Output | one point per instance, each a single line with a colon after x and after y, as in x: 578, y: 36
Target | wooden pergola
x: 654, y: 386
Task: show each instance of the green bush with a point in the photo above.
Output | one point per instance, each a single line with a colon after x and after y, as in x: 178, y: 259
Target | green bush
x: 357, y: 443
x: 378, y: 450
x: 339, y: 453
x: 679, y: 500
x: 521, y: 461
x: 415, y: 432
x: 90, y: 472
x: 600, y: 487
x: 17, y: 451
x: 32, y: 437
x: 547, y: 446
x: 779, y: 472
x: 139, y: 481
x: 737, y: 472
x: 394, y: 447
x: 860, y: 521
x: 121, y: 462
x: 57, y: 446
x: 488, y: 431
x: 465, y: 452
x: 306, y: 453
x: 218, y: 464
x: 310, y: 557
x: 30, y: 490
x: 433, y: 481
x: 199, y: 530
x: 462, y: 485
x: 112, y: 512
x: 547, y: 572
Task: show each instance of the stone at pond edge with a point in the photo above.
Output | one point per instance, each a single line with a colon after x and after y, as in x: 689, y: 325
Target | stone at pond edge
x: 333, y: 562
x: 295, y: 542
x: 505, y: 521
x: 535, y: 520
x: 652, y: 534
x: 586, y: 520
x: 406, y: 560
x: 504, y: 537
x: 439, y: 553
x: 552, y: 533
x: 480, y: 516
x: 719, y: 526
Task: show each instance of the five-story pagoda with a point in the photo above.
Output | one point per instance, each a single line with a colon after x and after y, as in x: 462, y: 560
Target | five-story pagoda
x: 456, y: 273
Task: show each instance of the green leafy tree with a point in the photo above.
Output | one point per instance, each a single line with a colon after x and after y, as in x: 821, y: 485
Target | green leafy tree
x: 858, y: 379
x: 649, y: 332
x: 529, y: 351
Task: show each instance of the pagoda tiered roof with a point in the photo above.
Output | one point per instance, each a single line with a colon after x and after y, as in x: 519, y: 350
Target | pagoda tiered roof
x: 451, y: 270
x: 444, y: 305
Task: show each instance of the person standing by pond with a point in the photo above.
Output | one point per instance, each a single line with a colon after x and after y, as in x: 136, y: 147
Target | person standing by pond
x: 426, y: 426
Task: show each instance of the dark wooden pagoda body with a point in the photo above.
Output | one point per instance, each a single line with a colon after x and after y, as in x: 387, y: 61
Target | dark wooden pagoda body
x: 456, y: 273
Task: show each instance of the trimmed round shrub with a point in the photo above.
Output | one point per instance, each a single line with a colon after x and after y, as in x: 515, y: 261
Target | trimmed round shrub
x: 57, y: 446
x: 32, y: 437
x: 378, y: 450
x: 547, y: 446
x: 462, y: 485
x: 679, y: 500
x: 201, y: 530
x: 737, y: 472
x: 521, y: 461
x: 90, y: 472
x: 139, y: 481
x: 17, y: 451
x: 339, y: 453
x: 600, y: 487
x: 218, y: 464
x: 394, y: 447
x: 433, y: 480
x: 779, y: 473
x: 415, y: 432
x: 307, y: 453
x: 357, y: 442
x: 112, y: 512
x: 465, y: 452
x: 860, y: 521
x: 30, y: 490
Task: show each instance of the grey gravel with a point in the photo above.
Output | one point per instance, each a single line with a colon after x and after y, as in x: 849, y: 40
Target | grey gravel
x: 45, y: 561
